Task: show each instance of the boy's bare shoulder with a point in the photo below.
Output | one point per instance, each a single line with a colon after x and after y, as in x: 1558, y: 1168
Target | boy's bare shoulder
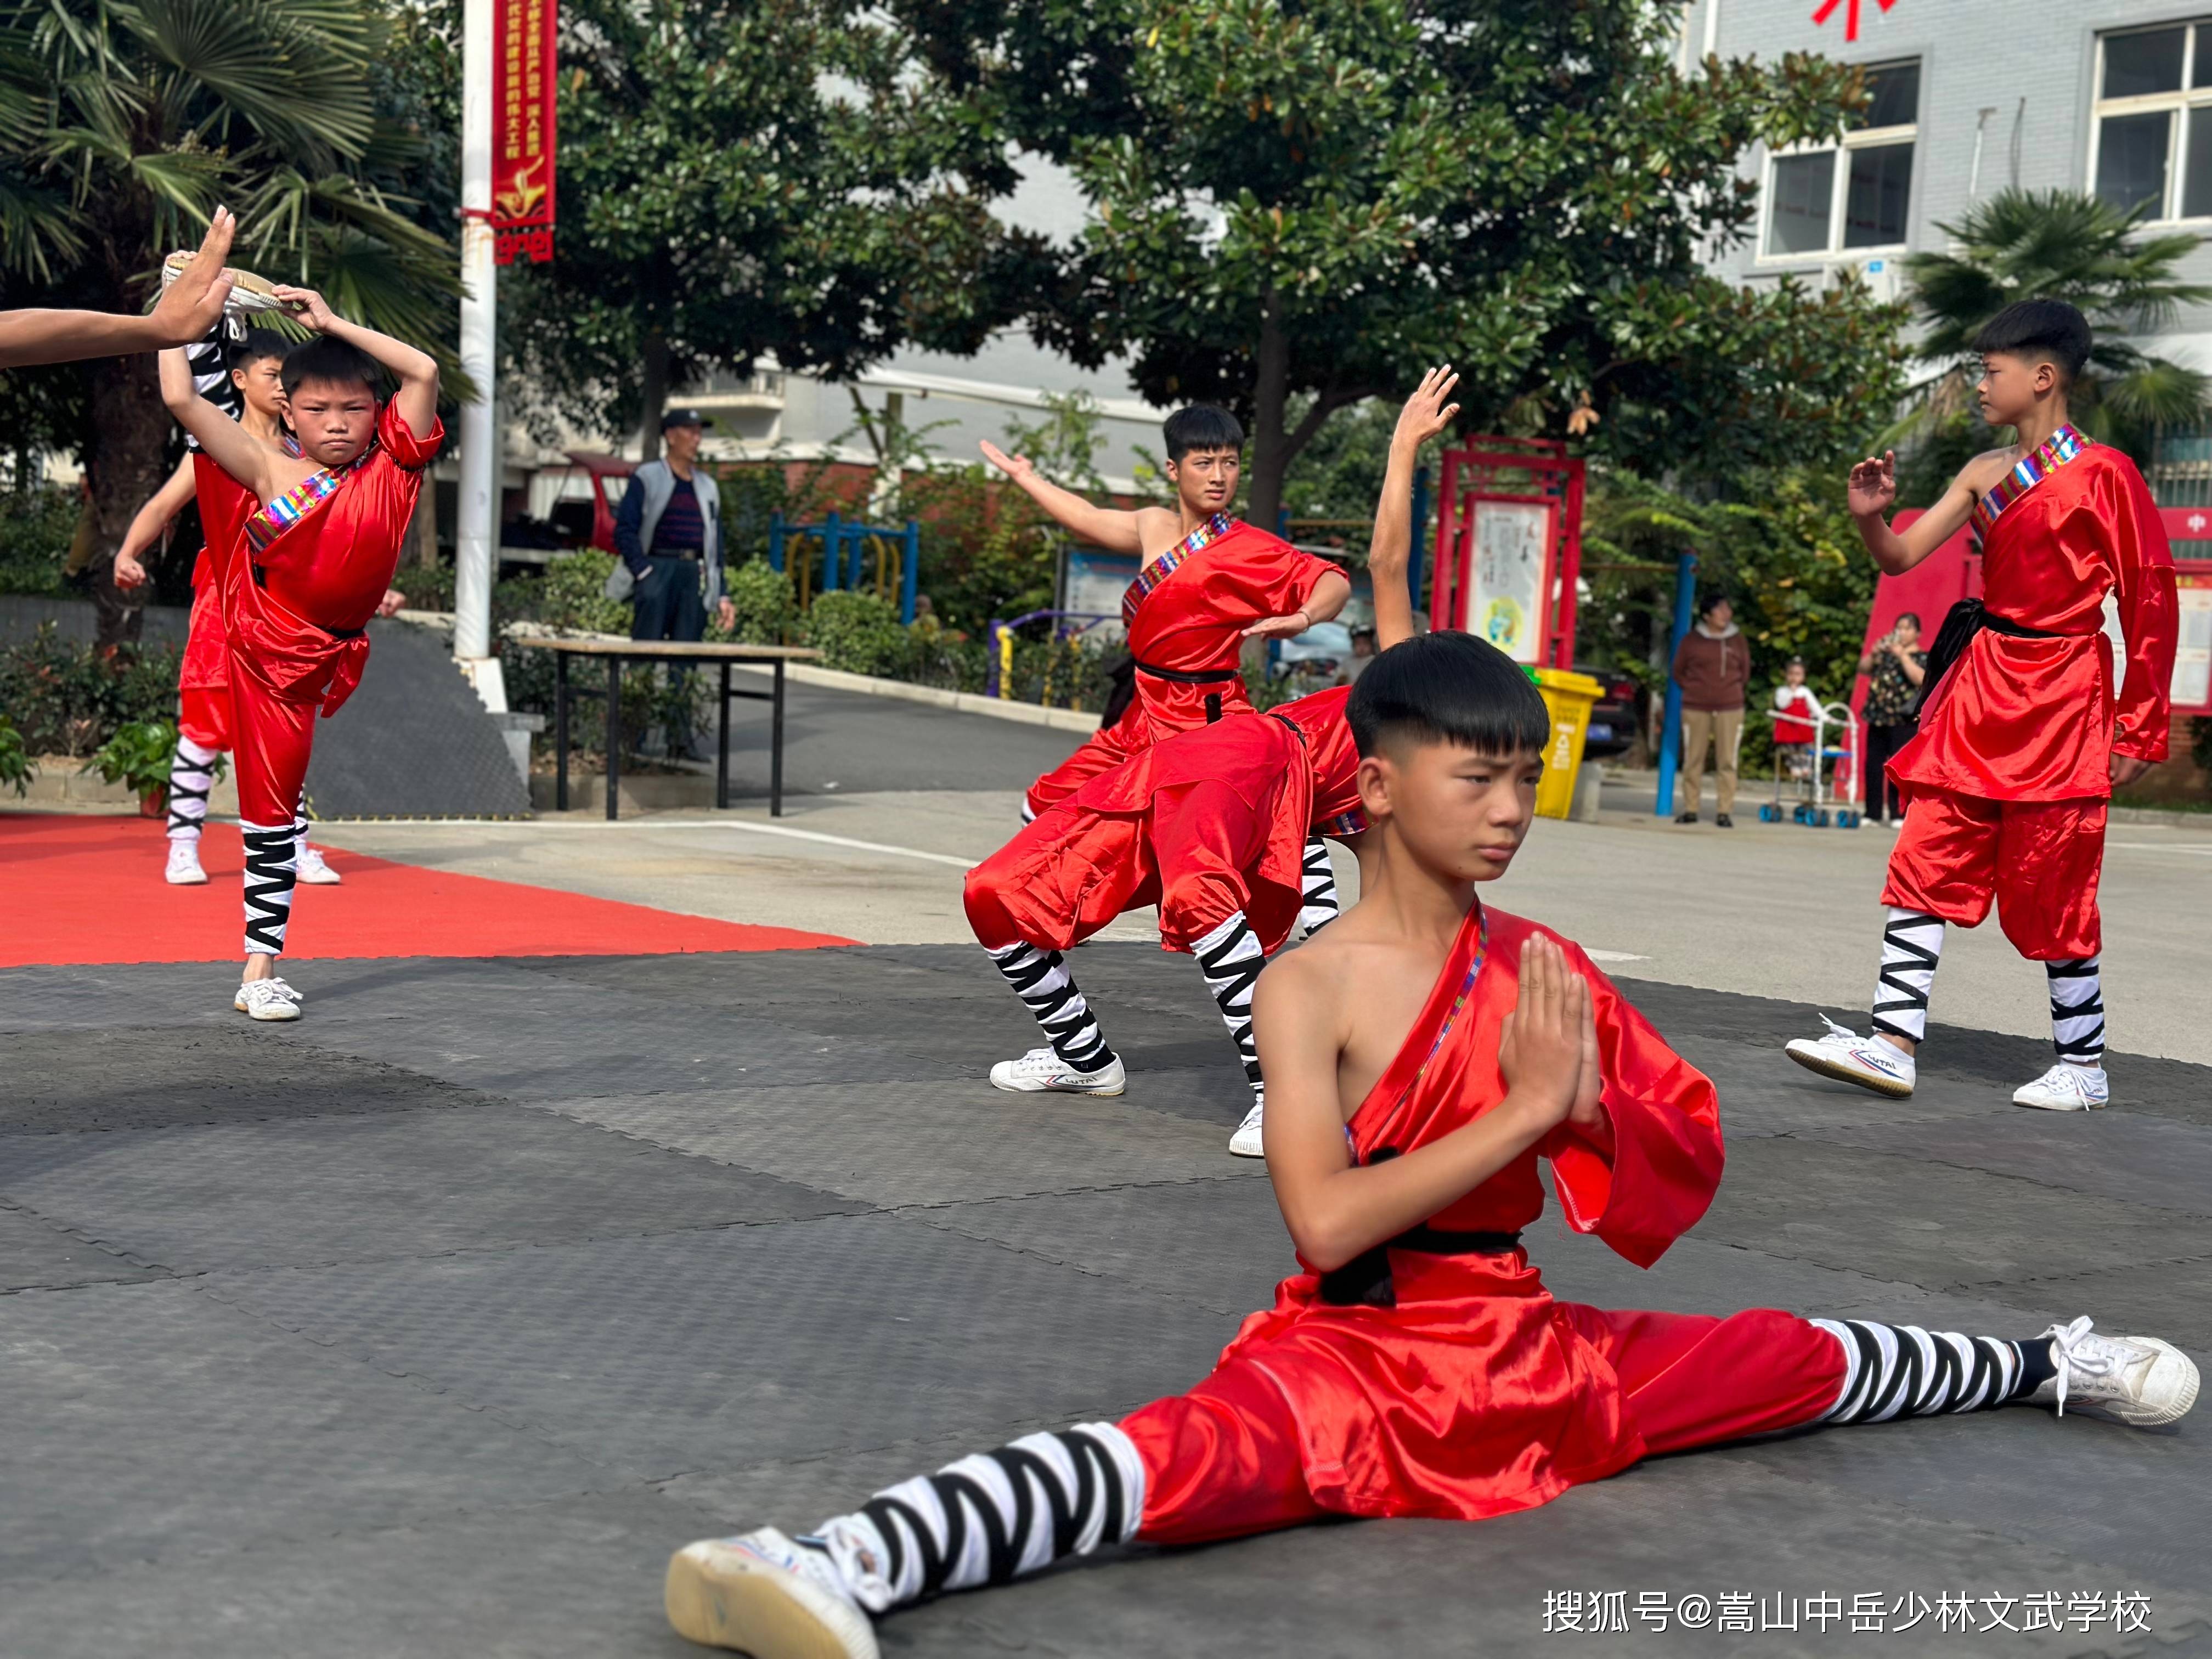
x: 1979, y: 476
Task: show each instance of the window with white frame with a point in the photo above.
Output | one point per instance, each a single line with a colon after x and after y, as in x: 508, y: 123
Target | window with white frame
x: 1853, y: 195
x: 2152, y: 140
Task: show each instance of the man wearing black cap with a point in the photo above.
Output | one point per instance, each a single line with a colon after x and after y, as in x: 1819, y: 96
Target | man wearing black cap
x: 668, y: 534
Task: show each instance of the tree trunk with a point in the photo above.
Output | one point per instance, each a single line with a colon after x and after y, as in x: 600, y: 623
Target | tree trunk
x: 1270, y: 394
x: 127, y: 459
x: 425, y: 527
x: 653, y: 394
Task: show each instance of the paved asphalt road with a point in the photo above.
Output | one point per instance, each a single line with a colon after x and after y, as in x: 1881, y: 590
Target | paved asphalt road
x: 430, y: 1325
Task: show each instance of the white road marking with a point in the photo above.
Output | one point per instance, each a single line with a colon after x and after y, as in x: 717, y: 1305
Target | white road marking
x: 647, y: 825
x: 1612, y: 955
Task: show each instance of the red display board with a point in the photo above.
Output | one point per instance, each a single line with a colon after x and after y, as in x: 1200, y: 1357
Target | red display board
x: 523, y: 129
x: 1509, y: 546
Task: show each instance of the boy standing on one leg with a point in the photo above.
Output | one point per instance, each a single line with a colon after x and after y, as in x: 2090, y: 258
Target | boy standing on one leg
x: 309, y: 546
x: 1425, y: 1052
x: 2021, y: 740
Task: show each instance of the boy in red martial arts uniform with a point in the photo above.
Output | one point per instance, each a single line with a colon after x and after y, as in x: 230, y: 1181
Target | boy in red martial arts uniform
x: 2021, y: 740
x: 247, y: 382
x: 1426, y: 1051
x: 1206, y: 583
x: 1218, y: 826
x: 304, y: 549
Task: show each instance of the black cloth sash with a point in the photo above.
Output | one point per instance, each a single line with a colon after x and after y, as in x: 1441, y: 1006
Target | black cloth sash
x: 1364, y: 1281
x: 1188, y: 675
x: 1960, y: 623
x: 1121, y: 677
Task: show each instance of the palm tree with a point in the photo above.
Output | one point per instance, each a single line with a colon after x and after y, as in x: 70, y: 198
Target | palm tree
x: 124, y: 122
x: 2052, y: 245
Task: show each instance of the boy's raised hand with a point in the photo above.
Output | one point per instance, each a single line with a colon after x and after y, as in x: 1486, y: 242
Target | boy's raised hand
x: 304, y: 305
x: 1426, y: 413
x: 1017, y: 467
x: 1873, y: 488
x: 1541, y: 1050
x: 190, y: 306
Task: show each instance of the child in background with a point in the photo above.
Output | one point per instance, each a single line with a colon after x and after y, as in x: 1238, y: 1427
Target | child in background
x: 1795, y: 710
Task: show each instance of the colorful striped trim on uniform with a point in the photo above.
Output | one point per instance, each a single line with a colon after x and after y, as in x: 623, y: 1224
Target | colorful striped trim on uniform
x: 2060, y: 448
x: 1163, y: 567
x: 1466, y: 986
x: 301, y: 499
x: 1353, y: 823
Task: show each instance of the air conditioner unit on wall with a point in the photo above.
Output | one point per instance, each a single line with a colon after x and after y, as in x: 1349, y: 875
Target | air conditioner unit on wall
x: 1883, y: 274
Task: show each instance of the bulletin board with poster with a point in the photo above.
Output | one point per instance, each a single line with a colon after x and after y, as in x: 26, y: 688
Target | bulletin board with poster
x: 1509, y: 590
x: 1508, y: 546
x: 2192, y: 660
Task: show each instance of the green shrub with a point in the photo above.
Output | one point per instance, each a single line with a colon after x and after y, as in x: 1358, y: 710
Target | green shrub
x: 17, y: 768
x: 36, y: 527
x: 575, y: 595
x: 764, y: 604
x: 858, y: 633
x: 138, y: 757
x: 428, y: 587
x: 65, y: 699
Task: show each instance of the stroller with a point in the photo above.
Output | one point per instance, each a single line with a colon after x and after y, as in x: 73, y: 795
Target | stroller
x: 1806, y: 760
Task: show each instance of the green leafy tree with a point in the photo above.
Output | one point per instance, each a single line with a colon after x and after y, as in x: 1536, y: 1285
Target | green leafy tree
x: 2051, y: 244
x: 124, y: 123
x: 1300, y: 206
x: 746, y: 177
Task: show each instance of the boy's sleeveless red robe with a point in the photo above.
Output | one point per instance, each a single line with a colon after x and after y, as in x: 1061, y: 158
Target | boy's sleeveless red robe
x: 1193, y: 622
x: 1204, y: 823
x: 2035, y: 719
x: 1476, y: 1394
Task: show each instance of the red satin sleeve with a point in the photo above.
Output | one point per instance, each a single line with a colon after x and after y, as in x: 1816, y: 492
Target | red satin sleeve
x: 2149, y: 618
x: 400, y: 441
x: 1274, y: 582
x: 1665, y: 1164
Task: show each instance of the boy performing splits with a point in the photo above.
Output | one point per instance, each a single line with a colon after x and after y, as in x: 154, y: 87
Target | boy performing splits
x: 1206, y: 583
x: 1426, y: 1051
x: 2021, y: 740
x: 304, y: 548
x: 247, y: 385
x: 1218, y: 826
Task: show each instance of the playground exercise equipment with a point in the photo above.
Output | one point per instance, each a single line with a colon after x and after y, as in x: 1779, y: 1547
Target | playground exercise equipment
x: 840, y: 563
x: 1000, y: 636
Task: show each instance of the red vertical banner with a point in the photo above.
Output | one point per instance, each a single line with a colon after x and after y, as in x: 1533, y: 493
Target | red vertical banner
x: 522, y: 129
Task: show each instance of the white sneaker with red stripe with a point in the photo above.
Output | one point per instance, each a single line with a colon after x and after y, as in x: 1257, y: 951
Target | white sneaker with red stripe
x: 1848, y: 1057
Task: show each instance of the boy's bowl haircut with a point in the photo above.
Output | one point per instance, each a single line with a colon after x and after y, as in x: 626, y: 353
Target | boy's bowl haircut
x: 1448, y: 687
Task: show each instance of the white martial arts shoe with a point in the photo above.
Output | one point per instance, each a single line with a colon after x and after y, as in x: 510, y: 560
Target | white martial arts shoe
x: 1041, y: 1071
x: 2136, y: 1380
x: 1246, y: 1142
x: 2066, y: 1088
x: 314, y: 872
x: 267, y: 999
x: 763, y: 1594
x: 1866, y: 1060
x: 184, y: 868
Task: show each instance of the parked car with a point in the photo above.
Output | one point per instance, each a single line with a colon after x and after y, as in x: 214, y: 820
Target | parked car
x: 1613, y: 722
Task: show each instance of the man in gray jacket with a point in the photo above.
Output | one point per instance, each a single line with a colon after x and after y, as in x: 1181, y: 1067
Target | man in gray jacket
x: 668, y: 534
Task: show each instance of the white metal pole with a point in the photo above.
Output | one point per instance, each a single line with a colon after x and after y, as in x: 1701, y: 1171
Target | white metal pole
x: 477, y: 524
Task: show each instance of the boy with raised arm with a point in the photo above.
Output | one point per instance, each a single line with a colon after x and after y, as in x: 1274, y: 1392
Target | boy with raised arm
x: 2021, y: 739
x: 1206, y: 583
x: 1425, y: 1051
x: 1221, y: 827
x: 304, y: 549
x: 186, y: 311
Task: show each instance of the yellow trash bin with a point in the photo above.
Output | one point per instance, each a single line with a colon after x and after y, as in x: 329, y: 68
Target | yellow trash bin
x: 1569, y: 697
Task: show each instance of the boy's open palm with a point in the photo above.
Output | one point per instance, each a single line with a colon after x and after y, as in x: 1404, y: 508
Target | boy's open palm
x: 1872, y: 487
x: 1540, y: 1051
x: 1426, y: 413
x: 1016, y: 467
x: 193, y: 305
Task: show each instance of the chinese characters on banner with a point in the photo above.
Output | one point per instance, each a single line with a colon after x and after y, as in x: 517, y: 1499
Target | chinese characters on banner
x: 522, y: 130
x: 1850, y: 17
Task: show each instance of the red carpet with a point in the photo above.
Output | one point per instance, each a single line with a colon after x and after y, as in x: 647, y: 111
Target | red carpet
x: 89, y: 889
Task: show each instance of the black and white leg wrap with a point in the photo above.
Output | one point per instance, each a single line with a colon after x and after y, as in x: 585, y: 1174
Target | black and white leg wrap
x: 1902, y: 1370
x: 990, y: 1517
x: 192, y: 775
x: 1911, y: 942
x: 1041, y: 980
x: 2077, y: 1011
x: 272, y: 865
x: 1231, y: 959
x: 1317, y: 905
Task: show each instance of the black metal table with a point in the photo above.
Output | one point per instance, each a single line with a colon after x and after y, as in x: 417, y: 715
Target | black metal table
x: 686, y: 652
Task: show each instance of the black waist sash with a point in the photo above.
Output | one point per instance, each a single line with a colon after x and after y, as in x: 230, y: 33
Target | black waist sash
x: 1365, y: 1280
x: 1188, y: 675
x: 1960, y: 623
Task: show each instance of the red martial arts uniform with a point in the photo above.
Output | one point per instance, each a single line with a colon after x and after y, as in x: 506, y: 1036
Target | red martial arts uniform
x: 301, y: 577
x: 1186, y: 615
x: 1436, y: 1376
x: 2007, y: 781
x: 204, y: 678
x: 1204, y: 824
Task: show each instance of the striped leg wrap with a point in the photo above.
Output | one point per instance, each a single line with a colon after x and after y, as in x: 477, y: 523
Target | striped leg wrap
x: 991, y: 1518
x: 2077, y: 1011
x: 1911, y: 940
x: 209, y: 359
x: 272, y: 863
x: 1318, y: 907
x: 1231, y: 959
x: 1041, y: 980
x: 192, y: 775
x: 1901, y: 1370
